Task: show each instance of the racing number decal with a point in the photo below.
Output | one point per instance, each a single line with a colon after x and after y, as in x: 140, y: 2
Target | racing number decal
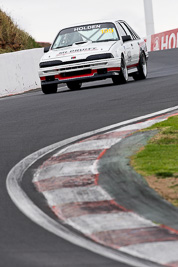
x: 107, y: 30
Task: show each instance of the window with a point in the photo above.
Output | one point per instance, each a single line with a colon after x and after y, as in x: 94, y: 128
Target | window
x: 129, y: 31
x: 126, y: 29
x: 101, y: 32
x: 122, y: 31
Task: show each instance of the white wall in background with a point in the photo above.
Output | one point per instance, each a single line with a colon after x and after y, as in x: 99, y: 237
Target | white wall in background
x: 19, y: 71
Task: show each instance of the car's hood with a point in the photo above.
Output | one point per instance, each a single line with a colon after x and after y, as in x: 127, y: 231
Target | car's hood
x: 79, y: 51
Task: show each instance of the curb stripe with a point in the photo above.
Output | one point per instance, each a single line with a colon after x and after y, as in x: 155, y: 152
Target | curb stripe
x: 77, y: 194
x: 92, y: 223
x: 65, y: 182
x: 127, y: 237
x: 71, y: 157
x: 79, y: 209
x: 65, y: 169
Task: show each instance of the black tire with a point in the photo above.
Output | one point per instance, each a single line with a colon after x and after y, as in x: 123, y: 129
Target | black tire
x: 49, y: 89
x: 123, y: 75
x: 74, y: 85
x: 142, y: 68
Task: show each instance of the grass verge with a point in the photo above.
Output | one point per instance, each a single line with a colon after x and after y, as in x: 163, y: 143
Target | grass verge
x: 12, y: 38
x: 158, y: 160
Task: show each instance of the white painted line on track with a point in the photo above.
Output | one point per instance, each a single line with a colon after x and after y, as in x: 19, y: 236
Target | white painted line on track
x: 139, y: 126
x: 21, y: 200
x: 163, y: 252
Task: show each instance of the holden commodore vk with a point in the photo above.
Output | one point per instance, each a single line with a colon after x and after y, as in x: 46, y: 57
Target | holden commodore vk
x: 93, y: 51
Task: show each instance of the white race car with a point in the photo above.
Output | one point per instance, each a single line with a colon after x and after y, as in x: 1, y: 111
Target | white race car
x: 93, y: 51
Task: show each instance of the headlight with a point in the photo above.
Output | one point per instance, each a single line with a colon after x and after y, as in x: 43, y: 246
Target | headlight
x: 100, y: 56
x: 50, y: 63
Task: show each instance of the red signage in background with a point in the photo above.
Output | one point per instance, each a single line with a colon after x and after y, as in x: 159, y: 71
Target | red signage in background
x: 164, y: 40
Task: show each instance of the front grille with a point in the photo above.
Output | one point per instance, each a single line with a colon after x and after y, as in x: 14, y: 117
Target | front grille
x: 50, y: 78
x: 89, y: 58
x: 75, y: 73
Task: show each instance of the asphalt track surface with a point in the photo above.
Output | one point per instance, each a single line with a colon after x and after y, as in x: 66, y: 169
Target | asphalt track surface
x: 32, y: 121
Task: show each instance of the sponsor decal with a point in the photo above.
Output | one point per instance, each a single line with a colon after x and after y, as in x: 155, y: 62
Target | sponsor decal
x: 77, y: 50
x: 156, y: 45
x: 107, y: 30
x: 165, y: 40
x: 86, y: 28
x: 96, y: 27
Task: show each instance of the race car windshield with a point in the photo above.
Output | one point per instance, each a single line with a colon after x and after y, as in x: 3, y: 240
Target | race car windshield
x: 101, y: 32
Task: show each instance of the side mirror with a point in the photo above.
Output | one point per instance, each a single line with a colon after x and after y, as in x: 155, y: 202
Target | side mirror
x: 46, y: 49
x: 126, y: 38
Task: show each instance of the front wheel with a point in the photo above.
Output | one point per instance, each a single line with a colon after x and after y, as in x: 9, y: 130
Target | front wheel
x: 142, y: 69
x: 74, y: 85
x: 123, y: 75
x: 49, y: 89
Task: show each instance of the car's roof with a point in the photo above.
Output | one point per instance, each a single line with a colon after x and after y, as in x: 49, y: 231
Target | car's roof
x: 92, y: 22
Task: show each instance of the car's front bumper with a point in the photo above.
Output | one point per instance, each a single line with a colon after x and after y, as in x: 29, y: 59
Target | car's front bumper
x: 81, y: 78
x: 85, y: 71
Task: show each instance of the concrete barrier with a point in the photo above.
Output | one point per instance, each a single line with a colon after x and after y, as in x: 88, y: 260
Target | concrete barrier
x: 19, y: 71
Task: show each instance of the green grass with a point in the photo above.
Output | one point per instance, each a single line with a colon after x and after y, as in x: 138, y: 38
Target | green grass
x: 160, y: 155
x: 171, y: 125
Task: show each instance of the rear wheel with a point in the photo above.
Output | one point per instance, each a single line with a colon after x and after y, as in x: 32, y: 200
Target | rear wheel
x: 123, y: 75
x: 142, y: 68
x: 49, y: 89
x: 74, y: 85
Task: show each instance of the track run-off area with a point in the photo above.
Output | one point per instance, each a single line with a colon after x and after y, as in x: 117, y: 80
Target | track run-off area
x: 32, y: 121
